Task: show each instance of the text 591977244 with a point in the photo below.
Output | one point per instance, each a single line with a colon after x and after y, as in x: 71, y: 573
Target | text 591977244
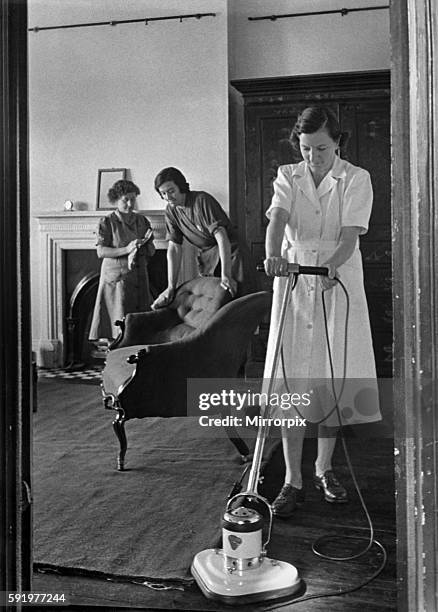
x: 29, y: 598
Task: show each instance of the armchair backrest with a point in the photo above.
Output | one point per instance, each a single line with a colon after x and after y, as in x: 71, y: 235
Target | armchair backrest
x: 197, y: 300
x: 195, y: 303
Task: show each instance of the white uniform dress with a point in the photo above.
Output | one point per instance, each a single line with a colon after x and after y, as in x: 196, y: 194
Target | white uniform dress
x: 316, y: 217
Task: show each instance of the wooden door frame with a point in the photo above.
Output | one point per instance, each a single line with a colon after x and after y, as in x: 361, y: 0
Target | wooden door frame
x: 414, y: 34
x: 15, y: 334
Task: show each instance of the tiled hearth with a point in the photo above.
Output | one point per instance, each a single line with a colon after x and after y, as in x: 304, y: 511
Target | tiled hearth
x: 60, y: 231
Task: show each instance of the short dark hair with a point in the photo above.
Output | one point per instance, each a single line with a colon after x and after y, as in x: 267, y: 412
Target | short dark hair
x: 122, y: 188
x: 171, y: 174
x: 312, y: 119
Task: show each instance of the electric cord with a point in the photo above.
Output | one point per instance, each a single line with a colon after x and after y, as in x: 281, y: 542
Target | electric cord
x: 370, y: 540
x: 352, y: 589
x: 344, y: 364
x: 237, y: 486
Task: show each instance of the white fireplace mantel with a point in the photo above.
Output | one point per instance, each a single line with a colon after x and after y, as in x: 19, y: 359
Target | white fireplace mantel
x: 81, y: 225
x: 59, y: 231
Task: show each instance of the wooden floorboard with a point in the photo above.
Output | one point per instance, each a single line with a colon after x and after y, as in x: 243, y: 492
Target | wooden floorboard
x: 291, y: 541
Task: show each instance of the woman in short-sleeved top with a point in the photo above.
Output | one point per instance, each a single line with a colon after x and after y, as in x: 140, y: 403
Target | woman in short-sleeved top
x: 198, y: 221
x: 197, y: 217
x: 319, y: 209
x: 125, y: 242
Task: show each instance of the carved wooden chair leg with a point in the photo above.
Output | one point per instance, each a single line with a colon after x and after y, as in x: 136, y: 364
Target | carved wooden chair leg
x: 119, y: 429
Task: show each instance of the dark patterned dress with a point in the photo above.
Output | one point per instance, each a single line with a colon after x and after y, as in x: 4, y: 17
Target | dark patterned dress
x: 121, y: 290
x: 197, y: 221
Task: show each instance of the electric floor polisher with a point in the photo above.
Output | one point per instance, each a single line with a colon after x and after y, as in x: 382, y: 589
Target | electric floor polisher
x: 241, y: 572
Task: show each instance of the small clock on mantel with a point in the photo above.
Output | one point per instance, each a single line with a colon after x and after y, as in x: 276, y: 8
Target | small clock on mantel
x: 68, y: 205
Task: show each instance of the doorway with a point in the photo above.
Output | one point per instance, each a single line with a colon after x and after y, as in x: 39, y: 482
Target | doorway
x: 415, y: 255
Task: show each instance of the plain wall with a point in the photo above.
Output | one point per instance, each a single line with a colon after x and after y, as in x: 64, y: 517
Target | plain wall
x: 126, y: 96
x: 316, y: 44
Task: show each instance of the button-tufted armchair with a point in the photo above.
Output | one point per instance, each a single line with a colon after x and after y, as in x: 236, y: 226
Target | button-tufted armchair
x: 203, y: 333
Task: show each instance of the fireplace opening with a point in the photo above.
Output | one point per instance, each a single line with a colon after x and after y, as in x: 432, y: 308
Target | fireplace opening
x: 81, y: 280
x: 78, y: 348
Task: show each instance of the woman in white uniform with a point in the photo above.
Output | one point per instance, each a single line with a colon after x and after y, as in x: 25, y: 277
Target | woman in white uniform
x: 319, y: 209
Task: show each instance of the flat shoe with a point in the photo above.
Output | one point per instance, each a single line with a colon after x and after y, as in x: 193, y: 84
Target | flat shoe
x: 334, y: 492
x: 287, y: 501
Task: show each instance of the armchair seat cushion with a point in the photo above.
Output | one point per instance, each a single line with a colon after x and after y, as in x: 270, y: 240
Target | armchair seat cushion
x: 173, y: 333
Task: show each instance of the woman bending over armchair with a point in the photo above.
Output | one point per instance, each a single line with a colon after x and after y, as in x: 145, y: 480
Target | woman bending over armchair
x: 197, y: 217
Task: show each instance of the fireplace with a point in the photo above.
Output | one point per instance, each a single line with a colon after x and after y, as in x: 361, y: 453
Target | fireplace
x: 70, y: 276
x: 81, y: 280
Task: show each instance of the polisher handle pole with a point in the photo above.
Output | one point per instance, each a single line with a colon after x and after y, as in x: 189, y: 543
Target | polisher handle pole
x: 263, y: 431
x: 262, y: 434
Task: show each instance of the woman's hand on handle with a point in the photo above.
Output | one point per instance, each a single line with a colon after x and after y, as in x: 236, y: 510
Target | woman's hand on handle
x: 275, y: 266
x: 328, y: 282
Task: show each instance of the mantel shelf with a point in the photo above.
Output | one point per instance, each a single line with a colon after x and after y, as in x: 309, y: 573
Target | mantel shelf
x: 80, y: 225
x: 75, y: 214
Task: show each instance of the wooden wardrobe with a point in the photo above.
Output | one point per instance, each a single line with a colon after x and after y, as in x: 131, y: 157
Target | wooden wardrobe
x: 267, y: 109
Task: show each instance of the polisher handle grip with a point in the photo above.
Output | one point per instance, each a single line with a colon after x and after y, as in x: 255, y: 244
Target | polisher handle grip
x: 315, y: 270
x: 293, y: 268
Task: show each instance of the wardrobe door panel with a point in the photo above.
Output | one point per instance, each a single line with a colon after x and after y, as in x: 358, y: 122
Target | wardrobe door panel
x: 368, y: 123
